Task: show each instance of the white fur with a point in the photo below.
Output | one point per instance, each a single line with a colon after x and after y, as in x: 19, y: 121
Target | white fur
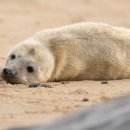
x: 81, y: 51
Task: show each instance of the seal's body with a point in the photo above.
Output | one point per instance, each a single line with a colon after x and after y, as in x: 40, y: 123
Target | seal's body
x: 93, y: 51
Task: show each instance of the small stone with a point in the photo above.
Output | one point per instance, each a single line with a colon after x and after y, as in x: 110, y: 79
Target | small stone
x: 64, y: 82
x: 33, y: 85
x: 45, y: 85
x: 85, y: 99
x: 104, y: 82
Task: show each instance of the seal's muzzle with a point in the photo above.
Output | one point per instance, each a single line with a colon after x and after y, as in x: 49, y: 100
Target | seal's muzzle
x: 10, y: 76
x: 8, y: 73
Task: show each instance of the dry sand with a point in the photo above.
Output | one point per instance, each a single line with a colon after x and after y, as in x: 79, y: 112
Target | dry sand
x: 19, y: 19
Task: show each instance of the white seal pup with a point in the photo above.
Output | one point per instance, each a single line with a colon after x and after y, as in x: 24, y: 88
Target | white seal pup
x: 83, y: 51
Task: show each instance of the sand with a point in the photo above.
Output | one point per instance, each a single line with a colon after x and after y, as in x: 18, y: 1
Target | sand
x: 19, y: 19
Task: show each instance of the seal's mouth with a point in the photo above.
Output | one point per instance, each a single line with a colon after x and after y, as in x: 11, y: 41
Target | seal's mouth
x: 10, y: 76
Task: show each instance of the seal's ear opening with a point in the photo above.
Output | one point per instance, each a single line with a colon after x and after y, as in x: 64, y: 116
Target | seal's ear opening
x: 32, y: 51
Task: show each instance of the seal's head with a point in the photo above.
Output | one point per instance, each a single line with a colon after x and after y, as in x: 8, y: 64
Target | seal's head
x: 29, y: 61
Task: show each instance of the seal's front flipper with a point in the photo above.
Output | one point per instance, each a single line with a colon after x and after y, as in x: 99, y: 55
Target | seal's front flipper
x: 34, y: 85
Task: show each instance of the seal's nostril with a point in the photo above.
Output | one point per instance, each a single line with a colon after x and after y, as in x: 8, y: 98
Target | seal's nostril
x: 5, y: 70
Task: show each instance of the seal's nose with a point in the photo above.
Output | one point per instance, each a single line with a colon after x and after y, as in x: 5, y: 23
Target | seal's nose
x: 8, y: 72
x: 10, y: 76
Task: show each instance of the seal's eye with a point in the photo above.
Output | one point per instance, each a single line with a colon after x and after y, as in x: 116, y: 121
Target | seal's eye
x: 12, y: 57
x: 30, y: 69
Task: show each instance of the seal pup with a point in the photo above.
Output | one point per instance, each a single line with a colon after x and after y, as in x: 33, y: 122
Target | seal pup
x: 83, y: 51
